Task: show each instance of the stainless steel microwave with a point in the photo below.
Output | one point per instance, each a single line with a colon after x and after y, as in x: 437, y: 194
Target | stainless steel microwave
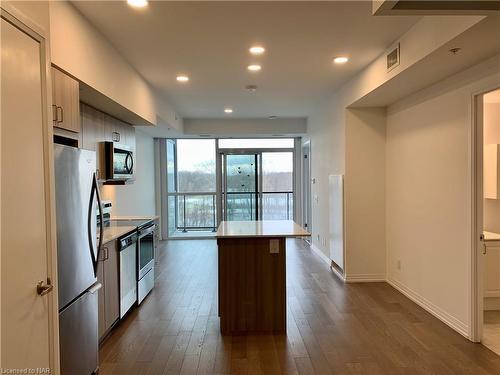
x: 119, y: 162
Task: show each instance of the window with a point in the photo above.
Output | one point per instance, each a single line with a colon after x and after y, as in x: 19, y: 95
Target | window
x: 277, y: 185
x: 196, y: 165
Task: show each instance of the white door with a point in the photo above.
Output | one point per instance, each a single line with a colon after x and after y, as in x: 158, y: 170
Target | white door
x: 24, y: 313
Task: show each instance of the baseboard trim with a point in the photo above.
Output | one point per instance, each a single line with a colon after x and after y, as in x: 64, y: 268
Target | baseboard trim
x: 442, y: 315
x: 328, y: 261
x: 365, y: 278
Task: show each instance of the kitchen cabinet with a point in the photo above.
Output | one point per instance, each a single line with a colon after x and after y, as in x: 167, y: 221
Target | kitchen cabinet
x: 92, y: 122
x: 109, y: 297
x: 99, y: 127
x: 65, y: 101
x: 100, y: 279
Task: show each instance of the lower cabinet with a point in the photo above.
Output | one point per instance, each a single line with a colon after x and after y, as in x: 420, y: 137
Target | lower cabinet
x: 109, y: 294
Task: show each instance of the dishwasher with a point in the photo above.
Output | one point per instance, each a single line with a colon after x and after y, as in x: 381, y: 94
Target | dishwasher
x: 128, y: 272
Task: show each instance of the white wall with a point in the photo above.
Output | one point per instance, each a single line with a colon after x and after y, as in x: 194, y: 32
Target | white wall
x: 328, y: 131
x: 78, y: 48
x: 365, y: 194
x: 138, y: 198
x: 245, y: 127
x: 428, y: 193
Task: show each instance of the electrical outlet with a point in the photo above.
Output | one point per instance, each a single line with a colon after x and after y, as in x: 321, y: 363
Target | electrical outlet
x: 274, y: 246
x: 399, y: 265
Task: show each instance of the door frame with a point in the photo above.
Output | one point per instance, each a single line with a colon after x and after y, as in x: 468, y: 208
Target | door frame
x: 11, y: 14
x: 477, y: 197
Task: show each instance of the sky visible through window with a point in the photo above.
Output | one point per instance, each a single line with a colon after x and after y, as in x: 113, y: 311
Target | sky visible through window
x: 199, y: 154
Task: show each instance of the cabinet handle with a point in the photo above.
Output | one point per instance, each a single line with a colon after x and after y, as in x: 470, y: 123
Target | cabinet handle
x: 57, y: 114
x: 104, y: 253
x: 54, y: 113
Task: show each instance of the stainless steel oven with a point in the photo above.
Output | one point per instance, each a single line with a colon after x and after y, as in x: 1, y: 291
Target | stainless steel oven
x: 119, y: 162
x: 145, y: 260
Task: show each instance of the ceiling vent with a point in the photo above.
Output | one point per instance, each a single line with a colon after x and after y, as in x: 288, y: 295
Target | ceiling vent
x: 393, y: 58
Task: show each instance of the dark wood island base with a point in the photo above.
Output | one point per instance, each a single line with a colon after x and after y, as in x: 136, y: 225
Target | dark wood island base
x: 252, y: 276
x: 252, y: 285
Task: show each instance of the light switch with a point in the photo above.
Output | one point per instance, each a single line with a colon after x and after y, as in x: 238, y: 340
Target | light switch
x: 274, y: 246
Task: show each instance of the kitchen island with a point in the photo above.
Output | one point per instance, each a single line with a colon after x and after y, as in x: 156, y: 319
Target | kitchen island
x: 252, y: 275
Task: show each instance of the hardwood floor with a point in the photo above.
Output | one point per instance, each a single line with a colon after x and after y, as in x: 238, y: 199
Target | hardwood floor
x: 332, y: 328
x: 491, y: 330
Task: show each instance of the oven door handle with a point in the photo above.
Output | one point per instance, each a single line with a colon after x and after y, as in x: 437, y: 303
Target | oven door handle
x: 146, y: 231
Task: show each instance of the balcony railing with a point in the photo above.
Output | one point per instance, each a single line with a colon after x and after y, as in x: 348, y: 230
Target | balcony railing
x: 198, y: 211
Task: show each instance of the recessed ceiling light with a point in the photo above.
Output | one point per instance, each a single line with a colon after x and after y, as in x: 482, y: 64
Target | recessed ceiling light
x: 182, y: 78
x: 257, y: 50
x: 228, y: 110
x: 340, y: 60
x: 254, y: 68
x: 137, y: 3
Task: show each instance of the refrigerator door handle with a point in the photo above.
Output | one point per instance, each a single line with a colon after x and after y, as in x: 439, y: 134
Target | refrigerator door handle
x: 95, y: 257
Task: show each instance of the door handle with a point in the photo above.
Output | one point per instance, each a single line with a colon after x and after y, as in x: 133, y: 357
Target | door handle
x: 42, y: 289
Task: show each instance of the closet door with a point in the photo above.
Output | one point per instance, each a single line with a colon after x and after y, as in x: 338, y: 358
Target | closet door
x: 24, y: 235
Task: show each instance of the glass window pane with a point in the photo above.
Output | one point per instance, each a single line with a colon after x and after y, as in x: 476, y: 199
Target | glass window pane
x: 241, y: 171
x: 170, y: 165
x: 277, y: 185
x: 197, y: 212
x: 277, y: 206
x: 172, y: 224
x: 257, y: 143
x: 196, y: 165
x: 277, y: 171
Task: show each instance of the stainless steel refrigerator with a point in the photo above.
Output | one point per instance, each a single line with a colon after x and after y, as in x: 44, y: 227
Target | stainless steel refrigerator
x: 77, y: 199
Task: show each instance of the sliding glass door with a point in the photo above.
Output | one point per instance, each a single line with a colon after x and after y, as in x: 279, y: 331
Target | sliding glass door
x: 256, y: 185
x: 240, y: 190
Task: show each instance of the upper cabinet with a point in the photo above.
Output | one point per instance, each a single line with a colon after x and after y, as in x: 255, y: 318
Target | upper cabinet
x: 65, y: 101
x: 98, y: 127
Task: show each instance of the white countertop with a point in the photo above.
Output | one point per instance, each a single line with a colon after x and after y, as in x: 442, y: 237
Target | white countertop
x: 261, y: 228
x: 146, y: 217
x: 112, y: 233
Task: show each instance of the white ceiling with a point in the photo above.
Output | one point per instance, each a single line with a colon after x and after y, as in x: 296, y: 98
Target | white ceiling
x: 209, y: 41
